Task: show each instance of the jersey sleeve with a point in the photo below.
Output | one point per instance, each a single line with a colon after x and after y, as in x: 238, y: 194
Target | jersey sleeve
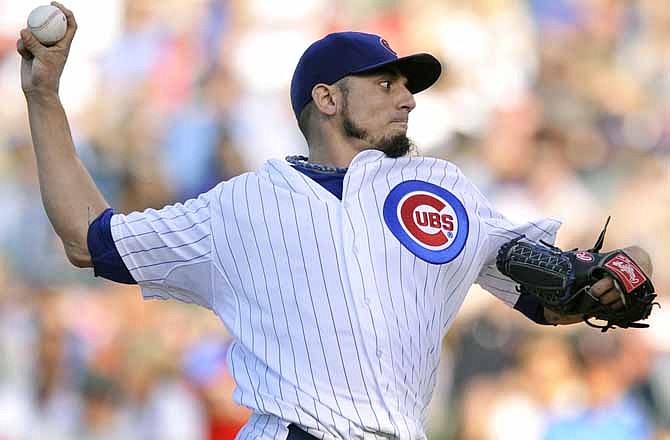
x: 107, y: 262
x: 169, y: 251
x: 498, y: 230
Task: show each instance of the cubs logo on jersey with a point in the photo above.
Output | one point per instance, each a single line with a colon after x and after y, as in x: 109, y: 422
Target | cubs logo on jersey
x: 427, y: 219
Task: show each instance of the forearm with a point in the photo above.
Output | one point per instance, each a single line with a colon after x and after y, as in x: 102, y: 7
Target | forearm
x: 557, y: 319
x: 71, y: 198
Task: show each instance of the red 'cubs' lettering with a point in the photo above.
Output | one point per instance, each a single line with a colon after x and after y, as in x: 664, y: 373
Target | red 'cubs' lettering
x: 421, y: 218
x: 409, y: 213
x: 445, y: 221
x: 434, y: 220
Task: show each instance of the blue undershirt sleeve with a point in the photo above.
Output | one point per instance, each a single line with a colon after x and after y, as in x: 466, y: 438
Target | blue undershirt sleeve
x: 107, y: 262
x: 532, y: 308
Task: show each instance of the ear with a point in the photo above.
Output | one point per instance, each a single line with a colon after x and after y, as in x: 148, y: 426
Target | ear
x: 325, y: 99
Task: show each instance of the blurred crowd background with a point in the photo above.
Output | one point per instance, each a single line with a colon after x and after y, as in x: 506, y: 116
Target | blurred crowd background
x: 554, y: 107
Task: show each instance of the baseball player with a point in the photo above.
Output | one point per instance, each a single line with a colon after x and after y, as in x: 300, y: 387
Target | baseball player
x: 338, y: 274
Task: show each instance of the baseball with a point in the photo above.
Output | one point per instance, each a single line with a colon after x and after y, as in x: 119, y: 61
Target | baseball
x: 47, y: 23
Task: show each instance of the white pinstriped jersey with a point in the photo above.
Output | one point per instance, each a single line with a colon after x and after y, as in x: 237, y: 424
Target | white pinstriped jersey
x: 338, y: 307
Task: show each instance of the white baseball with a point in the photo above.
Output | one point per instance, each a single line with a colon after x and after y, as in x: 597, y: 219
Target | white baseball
x: 47, y: 23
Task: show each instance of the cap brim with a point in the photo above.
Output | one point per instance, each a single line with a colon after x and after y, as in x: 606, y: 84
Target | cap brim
x: 422, y: 70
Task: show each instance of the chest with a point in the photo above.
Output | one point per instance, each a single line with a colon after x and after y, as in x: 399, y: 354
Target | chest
x: 404, y: 225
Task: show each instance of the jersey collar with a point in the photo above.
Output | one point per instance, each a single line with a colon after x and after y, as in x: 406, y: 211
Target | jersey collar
x: 282, y: 174
x: 365, y: 157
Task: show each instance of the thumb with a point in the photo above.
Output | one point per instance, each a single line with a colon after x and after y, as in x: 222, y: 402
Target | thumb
x: 32, y: 44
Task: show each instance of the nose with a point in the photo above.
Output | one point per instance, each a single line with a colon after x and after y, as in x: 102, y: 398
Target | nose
x: 406, y: 99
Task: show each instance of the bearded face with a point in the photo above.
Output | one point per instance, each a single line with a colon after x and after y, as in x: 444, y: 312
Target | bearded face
x: 376, y: 109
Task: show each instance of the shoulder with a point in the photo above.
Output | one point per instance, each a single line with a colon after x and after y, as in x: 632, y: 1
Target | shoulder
x: 422, y: 168
x: 234, y: 181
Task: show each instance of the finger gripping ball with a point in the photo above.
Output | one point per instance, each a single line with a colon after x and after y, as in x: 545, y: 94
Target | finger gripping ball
x: 47, y: 23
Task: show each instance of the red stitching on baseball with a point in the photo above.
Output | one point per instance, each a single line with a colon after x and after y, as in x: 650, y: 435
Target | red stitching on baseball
x: 47, y: 21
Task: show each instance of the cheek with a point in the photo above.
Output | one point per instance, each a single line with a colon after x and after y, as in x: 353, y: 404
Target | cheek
x: 370, y: 116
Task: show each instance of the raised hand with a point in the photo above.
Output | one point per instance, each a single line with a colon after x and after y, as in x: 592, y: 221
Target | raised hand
x: 42, y: 66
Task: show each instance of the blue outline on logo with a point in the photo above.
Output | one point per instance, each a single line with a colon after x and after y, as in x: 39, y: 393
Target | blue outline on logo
x: 391, y: 218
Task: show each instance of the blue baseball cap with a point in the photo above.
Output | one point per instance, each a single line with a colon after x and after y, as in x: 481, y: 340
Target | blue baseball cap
x: 346, y: 53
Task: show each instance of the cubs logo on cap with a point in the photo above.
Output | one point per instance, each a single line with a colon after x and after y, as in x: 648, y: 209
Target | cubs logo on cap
x: 428, y: 220
x: 387, y: 45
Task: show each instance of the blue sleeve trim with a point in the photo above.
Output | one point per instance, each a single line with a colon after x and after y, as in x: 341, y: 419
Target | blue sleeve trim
x: 532, y: 308
x: 107, y: 263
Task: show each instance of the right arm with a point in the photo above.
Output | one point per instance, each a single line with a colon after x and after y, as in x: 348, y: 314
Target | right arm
x: 71, y: 198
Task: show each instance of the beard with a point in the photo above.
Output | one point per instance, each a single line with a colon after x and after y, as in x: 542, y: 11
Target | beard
x: 393, y: 146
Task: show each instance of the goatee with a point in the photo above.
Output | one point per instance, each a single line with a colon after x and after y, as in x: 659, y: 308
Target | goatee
x: 393, y: 146
x: 396, y: 146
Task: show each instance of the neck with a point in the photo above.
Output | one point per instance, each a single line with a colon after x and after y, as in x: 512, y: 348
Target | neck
x: 334, y: 149
x: 332, y: 158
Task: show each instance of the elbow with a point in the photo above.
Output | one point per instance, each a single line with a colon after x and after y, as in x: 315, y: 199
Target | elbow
x: 78, y: 256
x: 79, y: 262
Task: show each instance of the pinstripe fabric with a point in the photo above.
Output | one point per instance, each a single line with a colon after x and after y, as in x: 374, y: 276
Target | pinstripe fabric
x: 337, y: 325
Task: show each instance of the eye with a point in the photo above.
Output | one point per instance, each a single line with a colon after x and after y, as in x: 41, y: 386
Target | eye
x: 385, y: 84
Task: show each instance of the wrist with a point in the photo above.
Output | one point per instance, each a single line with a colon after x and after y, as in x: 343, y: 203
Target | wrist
x: 556, y: 318
x: 550, y: 316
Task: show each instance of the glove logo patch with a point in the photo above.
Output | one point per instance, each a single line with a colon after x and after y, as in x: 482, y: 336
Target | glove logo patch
x: 628, y: 272
x: 584, y: 256
x: 427, y: 219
